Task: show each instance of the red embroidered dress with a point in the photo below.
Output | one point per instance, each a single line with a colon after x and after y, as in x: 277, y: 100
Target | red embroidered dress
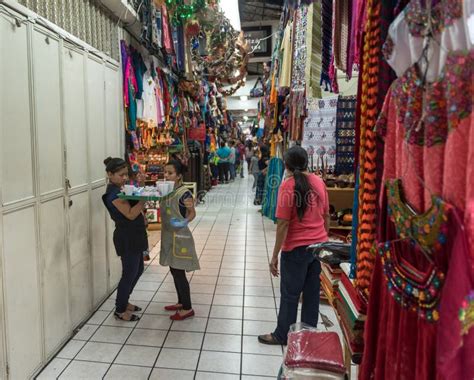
x: 410, y: 326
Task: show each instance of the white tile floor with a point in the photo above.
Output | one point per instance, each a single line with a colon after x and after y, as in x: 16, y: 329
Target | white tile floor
x: 233, y: 295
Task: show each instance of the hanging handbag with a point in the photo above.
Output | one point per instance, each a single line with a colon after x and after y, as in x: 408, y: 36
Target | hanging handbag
x: 257, y: 92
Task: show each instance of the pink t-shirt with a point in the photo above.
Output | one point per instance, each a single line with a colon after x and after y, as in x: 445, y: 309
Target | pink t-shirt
x: 310, y: 229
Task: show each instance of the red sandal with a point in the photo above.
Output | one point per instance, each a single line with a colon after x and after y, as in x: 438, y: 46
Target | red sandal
x: 179, y: 317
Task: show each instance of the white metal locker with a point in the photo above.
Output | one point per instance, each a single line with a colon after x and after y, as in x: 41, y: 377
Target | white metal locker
x: 113, y: 132
x: 75, y: 121
x: 98, y: 245
x: 22, y: 300
x: 81, y: 290
x: 47, y: 100
x: 95, y: 92
x: 15, y: 113
x: 55, y: 278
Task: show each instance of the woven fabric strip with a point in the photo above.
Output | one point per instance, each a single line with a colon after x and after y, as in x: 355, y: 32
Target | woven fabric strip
x: 345, y: 134
x: 314, y: 47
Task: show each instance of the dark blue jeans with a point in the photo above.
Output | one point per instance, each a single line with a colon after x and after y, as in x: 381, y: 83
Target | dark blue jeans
x: 299, y: 272
x: 132, y: 269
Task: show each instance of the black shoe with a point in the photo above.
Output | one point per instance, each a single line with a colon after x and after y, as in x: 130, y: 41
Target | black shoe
x: 269, y: 339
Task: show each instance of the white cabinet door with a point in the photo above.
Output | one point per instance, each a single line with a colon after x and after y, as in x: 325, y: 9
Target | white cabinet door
x: 113, y: 132
x: 15, y: 113
x: 98, y: 245
x: 22, y: 296
x: 55, y: 277
x: 75, y: 121
x: 47, y: 100
x: 79, y: 248
x: 95, y: 119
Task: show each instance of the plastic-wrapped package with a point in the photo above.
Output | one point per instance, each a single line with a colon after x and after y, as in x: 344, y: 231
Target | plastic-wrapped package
x: 308, y: 374
x: 312, y: 349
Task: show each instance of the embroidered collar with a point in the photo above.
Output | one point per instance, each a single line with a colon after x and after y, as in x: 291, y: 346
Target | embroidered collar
x: 428, y: 229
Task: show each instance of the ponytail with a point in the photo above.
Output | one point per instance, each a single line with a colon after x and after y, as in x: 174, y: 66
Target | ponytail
x: 302, y: 193
x: 296, y: 161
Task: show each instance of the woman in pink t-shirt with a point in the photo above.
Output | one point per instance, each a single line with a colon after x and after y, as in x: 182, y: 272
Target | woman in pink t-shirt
x: 303, y: 219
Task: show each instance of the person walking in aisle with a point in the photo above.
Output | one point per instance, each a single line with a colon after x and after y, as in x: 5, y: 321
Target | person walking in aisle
x: 130, y: 237
x: 241, y: 157
x: 303, y: 220
x: 177, y: 244
x: 253, y: 168
x: 248, y: 153
x: 223, y: 154
x: 232, y: 160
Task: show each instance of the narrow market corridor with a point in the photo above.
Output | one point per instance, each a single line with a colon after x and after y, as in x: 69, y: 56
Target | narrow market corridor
x: 234, y: 297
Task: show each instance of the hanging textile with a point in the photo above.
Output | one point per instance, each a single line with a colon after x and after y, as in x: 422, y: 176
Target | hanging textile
x: 314, y: 47
x: 272, y: 184
x: 327, y: 10
x: 410, y: 324
x: 286, y: 54
x: 345, y: 134
x: 319, y: 138
x: 355, y: 225
x: 299, y: 49
x: 341, y: 33
x: 167, y: 38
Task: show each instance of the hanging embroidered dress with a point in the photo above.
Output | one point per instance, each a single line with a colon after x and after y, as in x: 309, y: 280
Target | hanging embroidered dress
x: 412, y: 292
x: 426, y: 129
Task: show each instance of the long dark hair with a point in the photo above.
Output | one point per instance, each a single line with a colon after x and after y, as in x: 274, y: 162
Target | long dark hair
x: 113, y: 165
x: 296, y: 161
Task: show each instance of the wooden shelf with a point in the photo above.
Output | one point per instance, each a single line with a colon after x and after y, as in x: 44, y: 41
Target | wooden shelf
x: 344, y: 189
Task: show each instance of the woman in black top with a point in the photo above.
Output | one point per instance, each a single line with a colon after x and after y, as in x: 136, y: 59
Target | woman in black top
x: 130, y: 238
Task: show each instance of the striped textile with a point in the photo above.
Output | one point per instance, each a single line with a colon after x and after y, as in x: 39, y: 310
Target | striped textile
x: 314, y: 48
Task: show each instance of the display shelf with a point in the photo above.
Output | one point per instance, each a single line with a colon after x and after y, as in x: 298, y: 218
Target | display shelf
x: 343, y: 189
x: 345, y: 228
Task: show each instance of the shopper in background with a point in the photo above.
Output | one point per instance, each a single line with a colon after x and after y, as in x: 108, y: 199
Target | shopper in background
x: 177, y: 244
x: 262, y: 173
x: 130, y: 237
x: 223, y: 154
x: 303, y: 219
x: 232, y: 160
x: 253, y: 168
x: 248, y: 153
x: 241, y: 156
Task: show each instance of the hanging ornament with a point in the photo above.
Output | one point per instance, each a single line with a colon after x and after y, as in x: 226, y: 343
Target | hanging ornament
x: 193, y: 28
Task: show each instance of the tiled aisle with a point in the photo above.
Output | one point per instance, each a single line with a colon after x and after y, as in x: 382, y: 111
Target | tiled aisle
x: 233, y: 294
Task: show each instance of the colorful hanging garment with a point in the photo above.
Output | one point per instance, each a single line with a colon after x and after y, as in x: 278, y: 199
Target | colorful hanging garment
x: 167, y: 38
x: 411, y: 326
x: 345, y: 134
x: 319, y: 135
x: 299, y: 50
x: 432, y: 158
x: 355, y: 226
x: 314, y: 47
x: 272, y: 184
